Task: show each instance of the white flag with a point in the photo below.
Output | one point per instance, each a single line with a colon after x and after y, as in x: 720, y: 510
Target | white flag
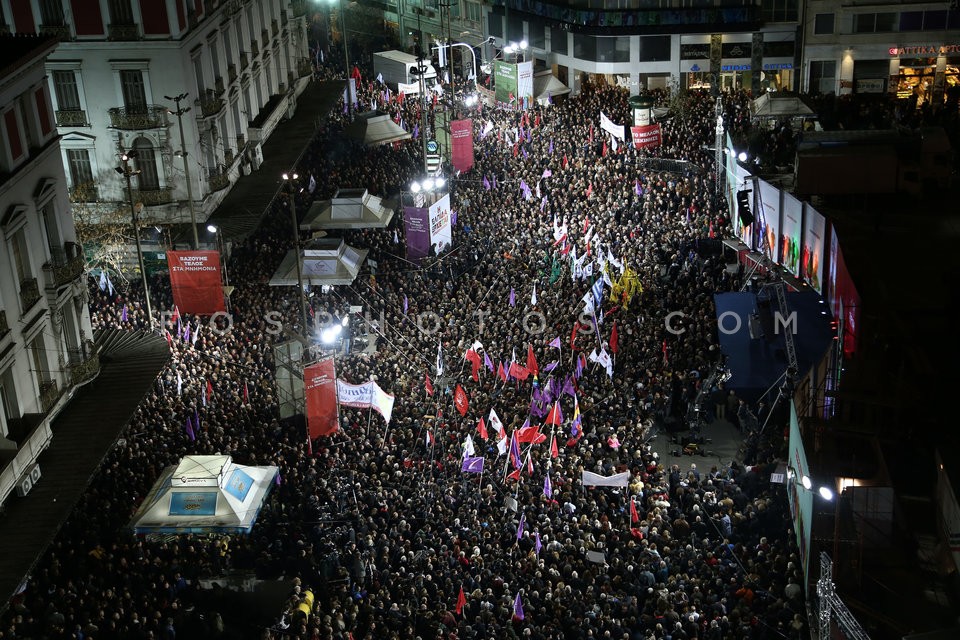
x: 468, y: 446
x: 494, y: 421
x: 312, y: 186
x: 110, y: 285
x: 380, y: 78
x: 533, y: 298
x: 502, y: 447
x: 596, y: 480
x: 605, y: 360
x: 103, y: 280
x: 439, y: 359
x: 179, y: 384
x: 487, y: 128
x: 194, y: 334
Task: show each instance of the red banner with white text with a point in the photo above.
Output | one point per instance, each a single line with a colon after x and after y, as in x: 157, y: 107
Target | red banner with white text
x: 461, y: 133
x: 320, y: 391
x: 195, y: 281
x: 648, y: 136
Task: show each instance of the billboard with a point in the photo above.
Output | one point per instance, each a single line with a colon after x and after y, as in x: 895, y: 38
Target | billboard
x: 195, y: 281
x: 416, y: 220
x: 198, y: 503
x: 525, y: 84
x: 791, y: 234
x: 800, y: 498
x: 814, y: 242
x: 505, y: 84
x: 770, y: 229
x: 843, y: 296
x: 644, y: 137
x: 441, y: 232
x: 461, y: 132
x: 320, y: 389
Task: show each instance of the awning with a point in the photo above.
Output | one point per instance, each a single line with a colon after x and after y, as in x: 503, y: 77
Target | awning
x: 545, y: 85
x: 375, y: 128
x: 780, y: 105
x: 349, y: 209
x: 326, y: 262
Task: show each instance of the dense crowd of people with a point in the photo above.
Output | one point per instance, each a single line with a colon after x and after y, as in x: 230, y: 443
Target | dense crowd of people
x: 378, y: 521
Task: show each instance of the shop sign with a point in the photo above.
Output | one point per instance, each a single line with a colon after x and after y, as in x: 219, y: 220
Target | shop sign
x: 735, y: 67
x: 777, y: 66
x: 924, y: 50
x: 735, y: 50
x: 694, y: 51
x: 871, y: 85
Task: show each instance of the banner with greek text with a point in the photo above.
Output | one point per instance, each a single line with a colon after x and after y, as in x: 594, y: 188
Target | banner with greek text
x: 416, y: 220
x: 616, y: 130
x: 365, y: 396
x: 461, y: 131
x: 525, y: 84
x: 644, y: 137
x: 323, y: 414
x: 195, y: 281
x: 505, y: 84
x: 441, y: 232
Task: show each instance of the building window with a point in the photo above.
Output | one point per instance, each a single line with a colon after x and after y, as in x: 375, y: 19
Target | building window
x: 214, y: 59
x: 149, y: 179
x: 227, y: 47
x: 134, y: 91
x: 198, y: 73
x: 495, y: 24
x: 78, y: 163
x: 21, y: 257
x: 51, y: 13
x: 558, y: 41
x: 66, y: 90
x: 121, y: 12
x: 40, y: 368
x: 874, y: 22
x: 473, y: 11
x: 779, y: 10
x: 585, y: 47
x: 49, y: 217
x: 613, y: 49
x: 823, y: 24
x: 823, y: 76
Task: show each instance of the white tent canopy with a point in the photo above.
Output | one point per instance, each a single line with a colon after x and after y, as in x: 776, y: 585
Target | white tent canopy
x: 349, y: 209
x: 205, y: 494
x: 326, y: 262
x: 374, y: 128
x: 780, y: 105
x: 545, y: 86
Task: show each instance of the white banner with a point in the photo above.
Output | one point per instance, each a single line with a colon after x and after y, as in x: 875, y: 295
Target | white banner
x: 616, y: 130
x: 441, y: 233
x: 365, y: 396
x: 408, y: 89
x: 596, y: 480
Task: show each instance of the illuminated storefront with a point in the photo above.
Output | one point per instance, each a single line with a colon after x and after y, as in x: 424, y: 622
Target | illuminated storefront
x: 927, y: 74
x: 758, y: 67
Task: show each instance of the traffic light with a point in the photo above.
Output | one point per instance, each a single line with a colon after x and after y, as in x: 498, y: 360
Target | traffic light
x: 743, y: 207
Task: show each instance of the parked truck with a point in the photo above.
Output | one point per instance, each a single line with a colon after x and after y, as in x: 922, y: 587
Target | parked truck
x: 395, y: 68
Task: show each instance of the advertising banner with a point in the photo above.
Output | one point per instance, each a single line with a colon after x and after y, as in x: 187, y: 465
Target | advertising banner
x: 844, y: 299
x: 770, y: 231
x: 441, y: 233
x: 200, y: 503
x: 417, y: 223
x: 791, y: 234
x: 800, y: 498
x: 195, y: 281
x: 365, y: 396
x: 320, y: 390
x: 461, y: 131
x: 814, y: 241
x: 525, y: 84
x: 505, y: 84
x: 644, y: 137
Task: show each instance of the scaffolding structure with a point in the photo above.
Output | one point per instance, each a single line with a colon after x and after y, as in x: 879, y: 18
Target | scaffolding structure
x: 829, y: 606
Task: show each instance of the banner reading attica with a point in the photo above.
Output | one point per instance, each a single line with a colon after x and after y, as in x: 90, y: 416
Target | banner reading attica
x: 195, y: 281
x: 461, y: 131
x: 320, y: 391
x: 648, y: 136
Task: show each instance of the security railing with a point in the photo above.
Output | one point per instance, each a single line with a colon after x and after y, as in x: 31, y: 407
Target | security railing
x: 29, y: 293
x: 154, y: 197
x: 83, y: 362
x: 72, y: 118
x: 139, y: 118
x: 49, y: 394
x: 218, y: 181
x: 65, y: 265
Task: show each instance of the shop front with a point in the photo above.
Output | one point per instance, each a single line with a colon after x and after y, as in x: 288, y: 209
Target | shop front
x: 736, y: 70
x: 925, y: 74
x: 695, y: 64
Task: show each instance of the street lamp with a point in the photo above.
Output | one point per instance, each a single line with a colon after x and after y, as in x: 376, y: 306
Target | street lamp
x: 186, y: 163
x: 215, y: 230
x: 126, y: 171
x: 517, y: 48
x: 421, y: 70
x: 290, y: 178
x: 346, y: 55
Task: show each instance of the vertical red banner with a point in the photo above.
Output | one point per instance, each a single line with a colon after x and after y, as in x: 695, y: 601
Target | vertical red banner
x: 195, y: 281
x: 320, y: 391
x: 461, y: 132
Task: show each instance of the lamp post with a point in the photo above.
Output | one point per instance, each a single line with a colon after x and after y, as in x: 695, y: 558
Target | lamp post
x: 346, y: 55
x: 518, y: 48
x: 421, y: 70
x: 290, y: 178
x: 186, y: 163
x: 127, y: 172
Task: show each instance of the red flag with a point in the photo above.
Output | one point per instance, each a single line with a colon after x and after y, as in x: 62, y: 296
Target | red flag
x: 246, y: 393
x: 664, y: 349
x: 501, y: 373
x: 564, y: 161
x: 529, y: 465
x: 427, y: 384
x: 518, y: 371
x: 532, y: 361
x: 634, y: 516
x: 604, y: 150
x: 461, y: 601
x: 573, y: 334
x: 614, y: 338
x: 586, y: 221
x: 554, y: 417
x: 590, y: 190
x: 515, y: 474
x: 176, y: 314
x: 531, y: 434
x: 482, y: 428
x: 554, y: 452
x: 474, y: 359
x: 209, y: 390
x: 460, y: 400
x: 591, y: 133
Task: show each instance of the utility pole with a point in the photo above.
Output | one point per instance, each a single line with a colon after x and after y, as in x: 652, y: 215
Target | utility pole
x: 127, y: 172
x: 186, y: 163
x: 289, y: 179
x: 346, y: 57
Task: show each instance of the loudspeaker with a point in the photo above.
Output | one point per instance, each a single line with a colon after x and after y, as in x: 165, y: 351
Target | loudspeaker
x: 743, y: 207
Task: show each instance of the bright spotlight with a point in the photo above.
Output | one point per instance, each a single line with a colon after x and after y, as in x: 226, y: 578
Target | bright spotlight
x: 523, y: 44
x: 805, y: 481
x: 439, y: 182
x: 415, y: 187
x: 330, y: 334
x: 211, y: 228
x: 826, y: 493
x: 428, y: 184
x: 742, y: 156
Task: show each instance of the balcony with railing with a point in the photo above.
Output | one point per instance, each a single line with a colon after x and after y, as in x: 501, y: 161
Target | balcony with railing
x: 65, y: 265
x: 58, y: 31
x: 254, y: 48
x: 211, y: 104
x: 72, y: 118
x: 83, y: 363
x: 86, y: 192
x: 218, y: 180
x: 139, y: 118
x: 299, y: 8
x: 49, y: 394
x: 29, y: 294
x: 123, y: 32
x: 154, y: 197
x: 304, y: 67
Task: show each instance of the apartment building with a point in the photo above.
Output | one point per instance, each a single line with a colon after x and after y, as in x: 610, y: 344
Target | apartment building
x: 46, y: 342
x: 118, y: 65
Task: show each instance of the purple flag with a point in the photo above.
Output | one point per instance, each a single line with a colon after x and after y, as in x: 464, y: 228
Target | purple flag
x: 472, y: 465
x: 528, y: 135
x: 550, y: 367
x: 568, y: 387
x: 486, y: 183
x: 550, y: 151
x: 196, y: 419
x: 539, y: 409
x: 518, y: 607
x: 513, y: 297
x: 525, y: 154
x: 189, y: 428
x: 537, y: 545
x: 555, y: 343
x: 276, y: 479
x: 523, y: 186
x: 453, y: 218
x: 578, y: 370
x: 406, y: 304
x: 547, y: 173
x: 416, y: 131
x: 543, y: 203
x: 523, y: 520
x: 494, y: 181
x: 636, y: 188
x: 487, y: 361
x: 123, y: 314
x: 186, y: 333
x: 547, y: 487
